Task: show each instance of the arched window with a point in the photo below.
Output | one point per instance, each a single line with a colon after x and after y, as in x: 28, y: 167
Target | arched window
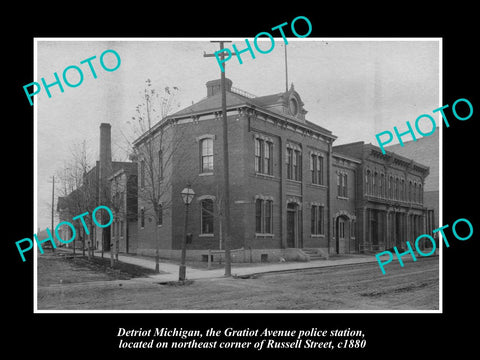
x: 410, y: 189
x: 382, y: 185
x: 258, y: 215
x: 342, y: 181
x: 397, y: 188
x: 258, y: 155
x: 294, y: 160
x: 268, y: 218
x: 206, y: 155
x: 267, y: 158
x: 263, y: 216
x: 316, y: 169
x: 390, y: 187
x: 402, y: 190
x: 289, y: 161
x: 206, y: 206
x: 317, y: 219
x: 368, y: 182
x: 263, y: 156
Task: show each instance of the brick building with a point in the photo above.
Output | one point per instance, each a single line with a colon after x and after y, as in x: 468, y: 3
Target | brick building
x: 425, y: 150
x: 389, y: 197
x: 344, y: 193
x: 124, y: 206
x: 292, y: 194
x: 93, y: 190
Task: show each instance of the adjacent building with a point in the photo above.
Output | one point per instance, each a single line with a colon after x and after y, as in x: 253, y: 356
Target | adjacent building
x: 389, y: 200
x: 124, y: 205
x: 92, y: 190
x: 426, y: 150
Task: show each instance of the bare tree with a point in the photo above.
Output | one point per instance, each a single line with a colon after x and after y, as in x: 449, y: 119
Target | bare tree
x: 77, y: 187
x: 157, y: 143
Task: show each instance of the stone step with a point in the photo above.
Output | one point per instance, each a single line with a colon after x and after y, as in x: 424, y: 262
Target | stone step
x: 313, y: 254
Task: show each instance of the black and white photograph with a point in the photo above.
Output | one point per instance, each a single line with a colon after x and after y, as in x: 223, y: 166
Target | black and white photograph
x: 244, y: 184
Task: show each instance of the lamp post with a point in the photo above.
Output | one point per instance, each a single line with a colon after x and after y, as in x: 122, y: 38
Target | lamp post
x: 187, y: 196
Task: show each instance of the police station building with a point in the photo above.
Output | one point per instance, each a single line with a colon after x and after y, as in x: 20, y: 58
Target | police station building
x: 293, y: 194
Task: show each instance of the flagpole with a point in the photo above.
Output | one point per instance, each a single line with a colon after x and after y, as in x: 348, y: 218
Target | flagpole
x: 286, y: 69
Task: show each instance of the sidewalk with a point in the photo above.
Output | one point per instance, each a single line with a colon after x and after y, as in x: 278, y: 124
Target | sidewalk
x: 171, y: 270
x: 196, y: 274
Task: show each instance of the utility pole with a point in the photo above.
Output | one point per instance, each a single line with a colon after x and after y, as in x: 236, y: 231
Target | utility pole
x: 286, y: 69
x: 228, y: 263
x: 53, y: 201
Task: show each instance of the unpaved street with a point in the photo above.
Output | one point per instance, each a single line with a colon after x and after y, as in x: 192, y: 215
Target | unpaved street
x: 352, y: 287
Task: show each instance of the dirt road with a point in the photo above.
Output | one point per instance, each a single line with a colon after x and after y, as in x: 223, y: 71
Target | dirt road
x: 358, y: 287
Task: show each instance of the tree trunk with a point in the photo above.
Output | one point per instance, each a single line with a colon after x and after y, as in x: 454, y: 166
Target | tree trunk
x: 117, y: 245
x: 157, y: 249
x: 112, y: 262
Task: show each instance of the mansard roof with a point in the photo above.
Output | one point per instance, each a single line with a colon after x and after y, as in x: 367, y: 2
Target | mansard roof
x: 275, y: 105
x: 212, y: 103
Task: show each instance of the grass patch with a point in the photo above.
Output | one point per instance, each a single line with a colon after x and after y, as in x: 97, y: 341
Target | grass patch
x: 120, y: 269
x: 176, y: 283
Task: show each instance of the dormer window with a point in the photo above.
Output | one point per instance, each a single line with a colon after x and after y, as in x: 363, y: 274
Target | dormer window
x: 293, y: 106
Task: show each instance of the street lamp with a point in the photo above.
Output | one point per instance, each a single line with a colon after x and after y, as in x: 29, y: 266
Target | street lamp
x: 187, y: 197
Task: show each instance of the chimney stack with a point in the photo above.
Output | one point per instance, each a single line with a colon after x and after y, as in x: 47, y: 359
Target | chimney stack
x: 105, y: 160
x: 215, y: 86
x: 104, y: 171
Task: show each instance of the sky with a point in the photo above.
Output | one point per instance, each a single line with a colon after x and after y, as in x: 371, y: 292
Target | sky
x: 355, y: 88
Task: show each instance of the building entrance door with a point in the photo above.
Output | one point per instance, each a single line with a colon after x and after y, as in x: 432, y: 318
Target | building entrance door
x: 374, y: 230
x: 127, y: 238
x: 398, y: 230
x: 340, y: 238
x: 290, y: 228
x: 294, y: 232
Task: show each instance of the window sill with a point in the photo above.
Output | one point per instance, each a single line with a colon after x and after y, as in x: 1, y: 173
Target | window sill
x: 294, y: 181
x: 342, y: 197
x: 205, y: 174
x: 264, y: 235
x: 318, y: 185
x: 268, y: 176
x: 317, y: 235
x: 205, y: 235
x: 383, y: 198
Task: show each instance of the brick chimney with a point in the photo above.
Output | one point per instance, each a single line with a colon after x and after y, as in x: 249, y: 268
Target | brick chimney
x: 214, y: 86
x: 105, y: 157
x: 104, y: 171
